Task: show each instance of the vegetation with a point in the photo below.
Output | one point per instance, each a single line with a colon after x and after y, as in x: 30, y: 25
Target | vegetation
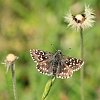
x: 27, y: 24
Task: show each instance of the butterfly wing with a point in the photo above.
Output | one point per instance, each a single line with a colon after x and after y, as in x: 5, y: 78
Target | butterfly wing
x: 46, y: 61
x: 73, y: 63
x: 63, y: 71
x: 43, y: 60
x: 67, y: 66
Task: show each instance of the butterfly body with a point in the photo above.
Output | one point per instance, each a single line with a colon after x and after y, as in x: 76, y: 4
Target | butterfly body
x: 56, y: 61
x: 55, y: 64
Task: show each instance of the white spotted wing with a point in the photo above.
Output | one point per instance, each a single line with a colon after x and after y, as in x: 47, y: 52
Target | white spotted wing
x: 55, y: 64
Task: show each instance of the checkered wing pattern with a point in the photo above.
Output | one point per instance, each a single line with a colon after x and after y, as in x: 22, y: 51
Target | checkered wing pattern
x: 68, y: 66
x: 55, y: 64
x: 43, y: 61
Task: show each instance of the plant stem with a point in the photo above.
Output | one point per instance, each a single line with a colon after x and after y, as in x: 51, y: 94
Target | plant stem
x: 14, y: 81
x: 82, y: 70
x: 48, y: 87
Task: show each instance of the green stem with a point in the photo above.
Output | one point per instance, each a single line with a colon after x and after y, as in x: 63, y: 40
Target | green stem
x: 14, y: 81
x: 48, y: 87
x: 82, y: 70
x: 82, y: 46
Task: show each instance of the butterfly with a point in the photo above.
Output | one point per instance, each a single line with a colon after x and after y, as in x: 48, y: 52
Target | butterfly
x: 56, y: 64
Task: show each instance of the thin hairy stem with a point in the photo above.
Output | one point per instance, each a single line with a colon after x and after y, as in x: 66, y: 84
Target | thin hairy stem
x: 82, y: 69
x: 14, y: 81
x: 48, y: 87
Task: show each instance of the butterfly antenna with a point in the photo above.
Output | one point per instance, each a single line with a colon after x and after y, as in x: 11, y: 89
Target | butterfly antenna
x: 53, y: 47
x: 69, y: 48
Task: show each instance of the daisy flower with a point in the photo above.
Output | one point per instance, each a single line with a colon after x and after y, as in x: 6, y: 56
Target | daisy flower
x: 83, y: 21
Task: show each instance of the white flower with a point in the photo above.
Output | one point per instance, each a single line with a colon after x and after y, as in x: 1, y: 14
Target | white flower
x: 83, y: 21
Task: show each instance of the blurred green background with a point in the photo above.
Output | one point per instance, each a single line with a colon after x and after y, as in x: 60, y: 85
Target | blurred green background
x: 27, y: 24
